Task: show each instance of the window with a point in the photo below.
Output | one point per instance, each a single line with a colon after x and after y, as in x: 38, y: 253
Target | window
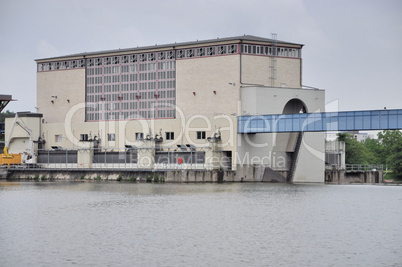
x: 211, y: 51
x: 222, y: 50
x: 58, y: 138
x: 169, y: 135
x: 133, y: 58
x: 111, y: 137
x: 190, y: 52
x: 201, y: 135
x: 83, y: 137
x: 180, y: 53
x: 232, y: 49
x: 151, y: 57
x: 200, y: 52
x: 161, y: 55
x: 120, y: 83
x: 139, y: 136
x: 170, y: 55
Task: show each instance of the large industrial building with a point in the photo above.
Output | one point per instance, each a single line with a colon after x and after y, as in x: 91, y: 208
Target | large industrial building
x: 175, y: 106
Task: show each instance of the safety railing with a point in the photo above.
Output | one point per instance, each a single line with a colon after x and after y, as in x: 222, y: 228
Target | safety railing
x: 363, y: 167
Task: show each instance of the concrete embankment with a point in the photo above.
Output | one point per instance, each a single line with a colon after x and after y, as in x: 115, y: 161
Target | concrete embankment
x: 122, y: 175
x: 248, y: 174
x: 360, y: 177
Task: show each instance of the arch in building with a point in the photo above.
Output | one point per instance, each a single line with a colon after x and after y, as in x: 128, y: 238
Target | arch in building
x: 295, y: 105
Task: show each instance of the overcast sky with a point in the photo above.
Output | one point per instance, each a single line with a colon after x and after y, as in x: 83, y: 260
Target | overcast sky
x: 352, y: 47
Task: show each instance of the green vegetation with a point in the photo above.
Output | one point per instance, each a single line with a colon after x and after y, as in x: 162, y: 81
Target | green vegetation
x: 2, y: 119
x: 386, y: 150
x: 119, y: 178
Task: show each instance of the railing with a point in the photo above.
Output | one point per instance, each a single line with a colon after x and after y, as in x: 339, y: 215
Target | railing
x: 363, y: 167
x: 120, y: 159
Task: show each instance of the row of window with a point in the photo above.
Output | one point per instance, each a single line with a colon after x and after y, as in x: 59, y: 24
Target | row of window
x: 138, y: 136
x: 150, y: 104
x: 269, y: 51
x: 131, y: 115
x: 160, y: 95
x: 131, y: 87
x: 168, y: 136
x: 150, y: 76
x: 131, y: 68
x: 160, y: 85
x: 170, y: 56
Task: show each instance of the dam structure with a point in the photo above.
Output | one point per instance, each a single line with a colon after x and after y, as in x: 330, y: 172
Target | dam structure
x: 181, y: 110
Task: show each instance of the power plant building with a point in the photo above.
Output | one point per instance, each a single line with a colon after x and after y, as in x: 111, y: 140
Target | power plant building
x: 176, y: 106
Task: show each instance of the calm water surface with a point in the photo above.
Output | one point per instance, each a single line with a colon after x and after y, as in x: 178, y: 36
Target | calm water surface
x: 239, y: 224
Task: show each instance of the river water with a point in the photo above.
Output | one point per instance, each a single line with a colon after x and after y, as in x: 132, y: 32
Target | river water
x: 229, y: 224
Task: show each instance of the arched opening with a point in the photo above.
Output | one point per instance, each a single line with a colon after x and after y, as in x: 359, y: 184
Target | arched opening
x: 295, y: 106
x: 294, y: 141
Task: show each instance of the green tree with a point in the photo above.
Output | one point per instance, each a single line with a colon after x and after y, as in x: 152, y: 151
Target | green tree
x: 2, y: 115
x: 376, y: 149
x: 395, y: 160
x: 2, y: 119
x: 355, y: 152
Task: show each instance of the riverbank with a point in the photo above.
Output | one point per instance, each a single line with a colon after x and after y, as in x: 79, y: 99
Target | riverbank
x: 182, y: 176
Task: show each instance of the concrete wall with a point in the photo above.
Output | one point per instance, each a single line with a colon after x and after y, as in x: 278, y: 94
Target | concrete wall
x: 203, y: 76
x: 69, y: 88
x: 272, y: 149
x: 257, y: 70
x: 363, y: 177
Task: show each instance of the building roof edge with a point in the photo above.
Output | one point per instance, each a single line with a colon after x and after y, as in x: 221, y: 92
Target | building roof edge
x: 243, y: 38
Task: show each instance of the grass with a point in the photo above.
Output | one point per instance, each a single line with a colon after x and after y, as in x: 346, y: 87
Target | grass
x: 393, y: 176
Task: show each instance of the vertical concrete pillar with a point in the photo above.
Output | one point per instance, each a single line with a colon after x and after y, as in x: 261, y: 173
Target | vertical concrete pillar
x: 146, y: 155
x: 85, y: 155
x: 213, y: 157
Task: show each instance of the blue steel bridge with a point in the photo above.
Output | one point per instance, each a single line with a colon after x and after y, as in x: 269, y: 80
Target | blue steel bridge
x: 387, y: 119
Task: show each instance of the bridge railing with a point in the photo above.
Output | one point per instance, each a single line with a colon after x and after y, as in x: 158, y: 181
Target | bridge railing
x: 363, y: 167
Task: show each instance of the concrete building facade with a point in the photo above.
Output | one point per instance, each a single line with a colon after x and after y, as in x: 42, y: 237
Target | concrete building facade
x: 181, y: 97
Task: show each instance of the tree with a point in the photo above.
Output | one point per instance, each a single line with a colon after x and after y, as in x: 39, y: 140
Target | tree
x: 395, y: 160
x: 2, y: 115
x: 355, y: 152
x: 376, y: 149
x: 2, y: 119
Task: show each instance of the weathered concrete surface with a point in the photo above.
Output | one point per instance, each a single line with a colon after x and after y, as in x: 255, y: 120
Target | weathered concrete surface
x: 363, y: 177
x: 179, y: 176
x: 246, y: 174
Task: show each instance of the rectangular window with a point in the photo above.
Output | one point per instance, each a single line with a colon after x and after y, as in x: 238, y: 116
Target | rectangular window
x: 200, y: 52
x: 201, y: 135
x: 232, y: 49
x: 211, y: 51
x: 222, y: 50
x: 180, y: 53
x: 190, y: 53
x: 169, y: 135
x: 58, y: 138
x: 139, y: 136
x: 111, y: 137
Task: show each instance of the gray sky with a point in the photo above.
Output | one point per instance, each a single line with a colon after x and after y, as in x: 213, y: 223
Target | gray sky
x: 352, y: 47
